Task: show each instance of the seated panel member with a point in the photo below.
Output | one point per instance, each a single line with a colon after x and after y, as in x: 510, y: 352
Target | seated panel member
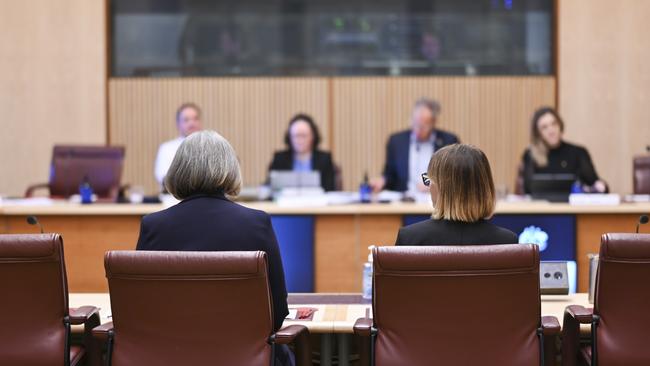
x: 408, y: 152
x: 302, y: 153
x: 205, y: 172
x: 548, y: 153
x: 462, y: 190
x: 188, y: 120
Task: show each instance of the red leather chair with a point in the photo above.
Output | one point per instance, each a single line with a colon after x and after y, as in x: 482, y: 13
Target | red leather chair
x: 458, y: 305
x: 35, y: 320
x: 642, y: 174
x: 620, y: 320
x: 102, y: 165
x: 193, y: 308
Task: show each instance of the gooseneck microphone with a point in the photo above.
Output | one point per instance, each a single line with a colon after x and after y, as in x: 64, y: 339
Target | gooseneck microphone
x: 643, y: 219
x: 33, y: 220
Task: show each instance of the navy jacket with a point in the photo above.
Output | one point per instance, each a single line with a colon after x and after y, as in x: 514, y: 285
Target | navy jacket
x: 396, y: 169
x: 320, y: 161
x: 214, y: 223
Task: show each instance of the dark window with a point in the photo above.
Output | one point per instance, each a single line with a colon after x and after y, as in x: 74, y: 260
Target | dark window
x: 331, y: 37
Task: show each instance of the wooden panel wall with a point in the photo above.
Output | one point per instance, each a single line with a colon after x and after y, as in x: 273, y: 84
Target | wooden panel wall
x: 490, y: 112
x: 355, y: 115
x: 604, y: 82
x: 252, y: 113
x: 52, y: 84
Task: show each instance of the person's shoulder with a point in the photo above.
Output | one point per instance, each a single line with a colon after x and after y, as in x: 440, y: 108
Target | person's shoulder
x: 502, y: 235
x: 404, y: 134
x: 574, y: 147
x: 174, y: 143
x: 420, y: 227
x: 282, y: 154
x: 446, y: 136
x: 323, y: 155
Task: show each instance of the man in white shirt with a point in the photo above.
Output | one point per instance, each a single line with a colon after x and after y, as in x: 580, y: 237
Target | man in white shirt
x: 188, y: 120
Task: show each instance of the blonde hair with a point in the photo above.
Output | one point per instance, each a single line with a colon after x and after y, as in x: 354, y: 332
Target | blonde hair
x: 205, y: 163
x: 462, y: 175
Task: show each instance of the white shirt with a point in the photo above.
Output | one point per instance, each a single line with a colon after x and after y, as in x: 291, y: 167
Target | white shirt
x: 166, y: 153
x: 419, y: 155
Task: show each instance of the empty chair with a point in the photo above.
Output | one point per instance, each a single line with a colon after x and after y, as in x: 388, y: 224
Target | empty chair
x: 35, y: 321
x: 71, y: 165
x: 620, y: 318
x: 641, y: 177
x: 193, y: 308
x: 458, y: 305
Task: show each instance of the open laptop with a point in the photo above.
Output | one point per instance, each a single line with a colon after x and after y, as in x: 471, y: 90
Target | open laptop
x: 552, y: 187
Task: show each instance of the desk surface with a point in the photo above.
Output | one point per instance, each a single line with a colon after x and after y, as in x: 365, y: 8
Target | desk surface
x: 334, y: 316
x: 532, y: 207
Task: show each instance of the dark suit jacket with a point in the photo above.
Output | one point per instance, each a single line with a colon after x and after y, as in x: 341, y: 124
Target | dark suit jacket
x: 445, y: 232
x: 396, y: 169
x: 320, y: 161
x: 213, y: 223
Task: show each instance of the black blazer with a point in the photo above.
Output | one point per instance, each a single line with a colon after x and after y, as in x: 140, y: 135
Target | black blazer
x: 445, y: 232
x: 213, y: 223
x: 565, y: 159
x: 396, y: 168
x: 320, y: 161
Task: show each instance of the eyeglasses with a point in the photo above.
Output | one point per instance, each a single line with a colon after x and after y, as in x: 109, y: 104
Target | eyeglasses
x: 425, y: 179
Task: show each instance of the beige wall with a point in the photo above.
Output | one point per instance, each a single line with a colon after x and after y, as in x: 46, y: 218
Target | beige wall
x: 604, y: 82
x: 52, y: 84
x: 356, y: 116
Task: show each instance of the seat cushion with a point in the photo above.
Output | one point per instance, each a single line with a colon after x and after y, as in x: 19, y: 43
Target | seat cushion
x: 76, y: 354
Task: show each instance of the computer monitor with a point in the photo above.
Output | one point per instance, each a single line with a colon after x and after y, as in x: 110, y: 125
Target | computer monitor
x: 281, y: 179
x: 552, y: 187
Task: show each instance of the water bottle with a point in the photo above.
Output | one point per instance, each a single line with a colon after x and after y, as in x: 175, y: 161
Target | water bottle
x: 365, y: 191
x: 367, y: 276
x: 86, y: 191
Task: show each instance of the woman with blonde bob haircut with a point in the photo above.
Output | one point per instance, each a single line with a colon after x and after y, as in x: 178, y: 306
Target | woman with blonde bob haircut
x: 462, y: 190
x: 203, y: 175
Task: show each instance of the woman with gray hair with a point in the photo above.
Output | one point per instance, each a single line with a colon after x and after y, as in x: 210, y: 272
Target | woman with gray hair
x: 203, y: 175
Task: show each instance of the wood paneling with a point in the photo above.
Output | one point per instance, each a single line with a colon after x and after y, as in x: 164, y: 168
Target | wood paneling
x: 490, y: 112
x: 356, y: 116
x: 604, y: 82
x: 589, y: 229
x: 52, y: 84
x: 86, y: 239
x: 252, y: 113
x: 341, y: 248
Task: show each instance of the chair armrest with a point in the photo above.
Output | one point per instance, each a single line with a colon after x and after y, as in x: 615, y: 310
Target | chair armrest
x: 550, y: 333
x: 30, y: 190
x: 83, y: 314
x: 550, y: 326
x: 363, y: 327
x: 299, y: 336
x: 574, y: 315
x: 581, y: 314
x: 100, y: 332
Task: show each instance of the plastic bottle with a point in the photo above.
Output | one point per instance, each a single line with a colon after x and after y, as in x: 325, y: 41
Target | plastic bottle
x: 86, y: 191
x: 365, y: 191
x: 367, y: 276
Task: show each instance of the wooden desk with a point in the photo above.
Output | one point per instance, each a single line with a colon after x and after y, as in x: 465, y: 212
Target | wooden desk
x: 335, y: 317
x: 341, y: 234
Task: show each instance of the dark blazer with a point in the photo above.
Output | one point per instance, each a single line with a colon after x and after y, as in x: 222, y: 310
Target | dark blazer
x: 396, y: 168
x: 320, y: 161
x: 445, y: 232
x: 214, y: 223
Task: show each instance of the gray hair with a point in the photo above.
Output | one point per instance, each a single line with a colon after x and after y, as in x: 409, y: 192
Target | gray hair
x: 205, y: 163
x: 430, y: 104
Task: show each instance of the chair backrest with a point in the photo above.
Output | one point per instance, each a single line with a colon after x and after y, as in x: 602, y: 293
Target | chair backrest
x: 642, y: 174
x: 189, y: 308
x: 457, y: 305
x: 34, y: 300
x: 622, y: 298
x: 102, y: 165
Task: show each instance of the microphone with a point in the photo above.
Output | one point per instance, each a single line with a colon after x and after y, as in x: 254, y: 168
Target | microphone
x: 33, y: 220
x: 643, y: 219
